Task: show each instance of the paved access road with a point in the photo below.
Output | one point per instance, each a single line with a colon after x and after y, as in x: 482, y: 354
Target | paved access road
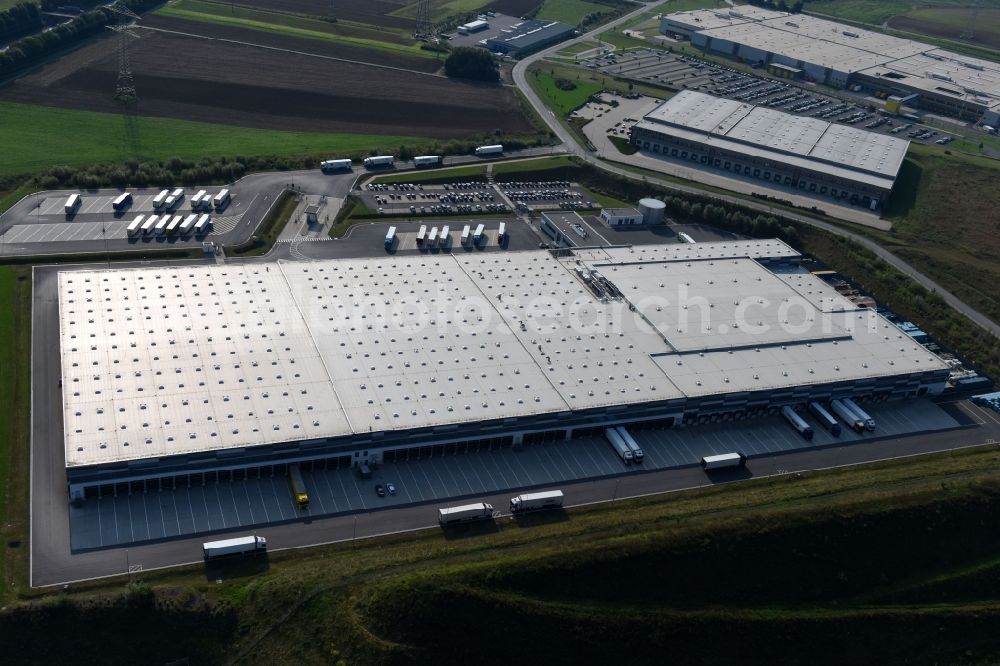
x: 573, y: 146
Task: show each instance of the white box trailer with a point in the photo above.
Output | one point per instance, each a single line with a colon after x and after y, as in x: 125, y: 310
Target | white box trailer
x: 178, y: 193
x: 135, y: 226
x: 170, y: 202
x: 856, y: 423
x: 150, y: 222
x: 203, y: 223
x: 161, y: 225
x: 494, y: 149
x: 198, y: 200
x: 421, y: 233
x: 188, y: 225
x: 221, y: 199
x: 502, y: 231
x: 72, y: 203
x: 465, y: 234
x: 174, y: 223
x: 432, y: 238
x: 379, y: 161
x: 237, y: 546
x: 478, y: 236
x: 723, y: 460
x: 637, y: 454
x: 443, y: 239
x: 122, y: 201
x: 685, y: 238
x: 192, y: 218
x: 797, y: 422
x: 160, y: 199
x: 534, y: 501
x: 619, y: 445
x: 335, y: 165
x: 390, y: 238
x: 862, y: 414
x: 426, y: 160
x: 465, y: 513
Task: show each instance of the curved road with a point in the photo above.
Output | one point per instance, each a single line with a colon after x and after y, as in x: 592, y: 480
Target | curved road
x: 573, y: 146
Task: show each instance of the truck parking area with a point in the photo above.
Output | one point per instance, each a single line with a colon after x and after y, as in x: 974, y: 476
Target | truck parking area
x: 215, y: 502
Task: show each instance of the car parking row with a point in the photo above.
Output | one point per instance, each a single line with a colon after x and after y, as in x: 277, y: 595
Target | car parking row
x: 685, y: 72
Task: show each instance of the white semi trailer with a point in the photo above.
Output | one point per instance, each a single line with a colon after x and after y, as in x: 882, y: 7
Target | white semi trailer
x: 797, y: 422
x: 637, y: 454
x: 862, y: 414
x: 135, y: 225
x: 379, y: 161
x: 850, y: 418
x: 619, y: 445
x: 465, y: 513
x: 335, y: 165
x: 495, y: 149
x: 421, y: 161
x: 824, y: 417
x: 723, y: 460
x: 160, y: 199
x: 535, y: 501
x: 684, y: 237
x: 237, y: 546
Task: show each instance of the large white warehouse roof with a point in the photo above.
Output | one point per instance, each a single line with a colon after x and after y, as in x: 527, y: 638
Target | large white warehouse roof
x: 166, y: 361
x: 839, y: 150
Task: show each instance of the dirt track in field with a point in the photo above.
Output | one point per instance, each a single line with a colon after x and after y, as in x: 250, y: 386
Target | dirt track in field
x: 314, y: 46
x: 375, y: 12
x: 218, y: 82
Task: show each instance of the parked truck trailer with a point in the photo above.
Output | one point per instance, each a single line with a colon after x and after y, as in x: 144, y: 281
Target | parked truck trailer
x: 619, y: 445
x: 862, y: 414
x: 390, y: 238
x: 336, y: 165
x: 850, y: 418
x: 797, y: 422
x: 465, y: 513
x: 825, y: 418
x: 723, y: 460
x: 424, y: 161
x: 536, y: 501
x: 637, y: 454
x: 237, y: 546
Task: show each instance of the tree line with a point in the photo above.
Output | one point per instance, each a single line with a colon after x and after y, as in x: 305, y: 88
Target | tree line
x: 26, y: 51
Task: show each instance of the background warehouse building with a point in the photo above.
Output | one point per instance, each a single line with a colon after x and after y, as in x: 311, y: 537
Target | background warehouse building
x: 529, y: 36
x: 840, y: 55
x: 812, y: 155
x: 174, y: 373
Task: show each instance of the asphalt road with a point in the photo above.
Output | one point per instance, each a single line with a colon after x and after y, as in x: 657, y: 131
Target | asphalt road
x: 573, y: 146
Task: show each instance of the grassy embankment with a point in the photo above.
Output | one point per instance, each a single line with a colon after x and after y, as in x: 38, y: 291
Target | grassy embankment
x: 15, y: 384
x: 893, y: 562
x: 37, y: 137
x: 353, y: 34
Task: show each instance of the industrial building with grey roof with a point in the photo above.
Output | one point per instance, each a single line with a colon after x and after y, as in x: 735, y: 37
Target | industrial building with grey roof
x: 173, y: 372
x: 842, y: 55
x: 816, y: 157
x: 529, y: 36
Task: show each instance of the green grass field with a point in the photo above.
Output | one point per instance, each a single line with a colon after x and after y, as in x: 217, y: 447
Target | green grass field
x: 562, y: 101
x: 36, y: 138
x: 15, y: 327
x: 570, y: 11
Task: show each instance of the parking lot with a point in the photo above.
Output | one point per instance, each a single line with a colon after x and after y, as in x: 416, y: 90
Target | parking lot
x: 680, y: 72
x: 162, y: 513
x: 474, y: 197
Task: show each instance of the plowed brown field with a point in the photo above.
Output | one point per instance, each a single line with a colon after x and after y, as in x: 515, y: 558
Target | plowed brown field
x: 233, y: 84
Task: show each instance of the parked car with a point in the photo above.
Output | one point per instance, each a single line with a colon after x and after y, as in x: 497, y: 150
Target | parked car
x: 379, y: 490
x: 390, y: 488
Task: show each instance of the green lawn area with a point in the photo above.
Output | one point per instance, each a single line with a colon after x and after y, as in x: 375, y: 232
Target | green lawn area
x: 945, y: 223
x: 295, y: 26
x: 472, y: 171
x: 442, y: 9
x: 15, y: 327
x: 563, y: 102
x: 865, y: 11
x: 580, y: 47
x: 37, y: 137
x: 570, y: 11
x: 7, y: 4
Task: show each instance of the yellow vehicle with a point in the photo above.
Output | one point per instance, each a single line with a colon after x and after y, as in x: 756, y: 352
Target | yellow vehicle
x: 298, y: 486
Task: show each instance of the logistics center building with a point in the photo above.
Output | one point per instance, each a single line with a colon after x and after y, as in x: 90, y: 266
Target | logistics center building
x: 841, y: 55
x: 181, y: 372
x: 815, y: 156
